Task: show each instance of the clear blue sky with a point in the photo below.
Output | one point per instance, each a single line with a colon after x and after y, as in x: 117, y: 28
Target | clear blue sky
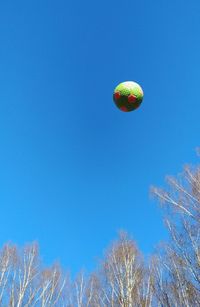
x: 73, y: 168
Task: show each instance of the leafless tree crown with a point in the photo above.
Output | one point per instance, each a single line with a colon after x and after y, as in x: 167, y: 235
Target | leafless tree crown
x: 171, y: 278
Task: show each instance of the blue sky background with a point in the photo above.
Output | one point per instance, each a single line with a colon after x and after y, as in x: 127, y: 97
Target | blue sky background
x: 73, y: 168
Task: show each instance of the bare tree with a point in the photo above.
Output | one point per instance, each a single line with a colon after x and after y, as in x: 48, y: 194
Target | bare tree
x: 170, y: 279
x: 23, y: 282
x: 82, y: 292
x: 177, y: 272
x: 122, y: 276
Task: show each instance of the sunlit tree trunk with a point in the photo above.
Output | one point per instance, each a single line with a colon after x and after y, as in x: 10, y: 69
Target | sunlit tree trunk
x: 122, y: 275
x: 24, y: 283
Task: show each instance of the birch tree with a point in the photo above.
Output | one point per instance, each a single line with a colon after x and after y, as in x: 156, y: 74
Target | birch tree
x: 122, y: 276
x: 178, y: 273
x: 23, y: 281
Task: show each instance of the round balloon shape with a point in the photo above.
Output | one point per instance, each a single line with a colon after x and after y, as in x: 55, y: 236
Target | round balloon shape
x: 128, y: 96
